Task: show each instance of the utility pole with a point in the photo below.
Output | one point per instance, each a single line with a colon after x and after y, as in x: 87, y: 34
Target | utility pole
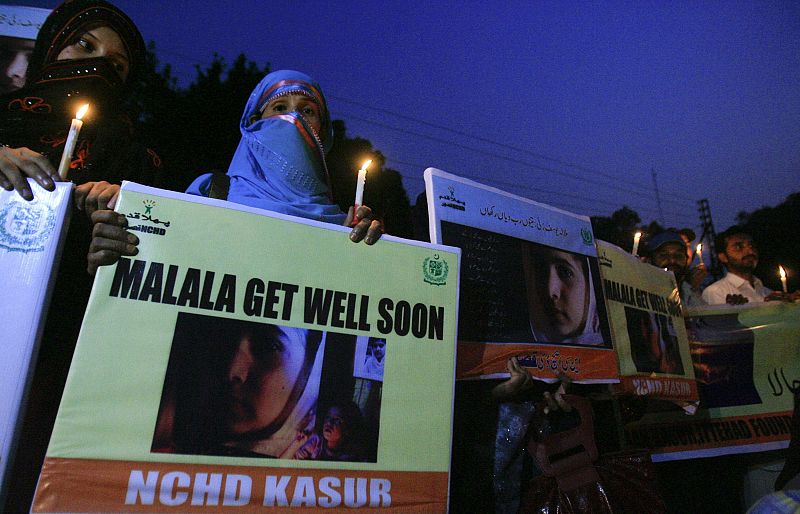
x: 658, y: 197
x: 710, y: 235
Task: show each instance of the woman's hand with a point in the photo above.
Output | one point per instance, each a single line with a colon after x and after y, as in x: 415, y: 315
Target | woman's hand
x: 555, y: 402
x: 96, y: 196
x: 519, y: 383
x: 364, y: 227
x: 19, y: 164
x: 110, y: 240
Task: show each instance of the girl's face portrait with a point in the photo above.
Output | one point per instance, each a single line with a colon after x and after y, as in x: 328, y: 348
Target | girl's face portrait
x: 261, y: 377
x: 298, y: 103
x: 560, y: 299
x: 99, y: 42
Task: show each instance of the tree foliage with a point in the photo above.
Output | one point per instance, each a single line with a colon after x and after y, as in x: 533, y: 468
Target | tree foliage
x: 617, y: 229
x: 775, y: 233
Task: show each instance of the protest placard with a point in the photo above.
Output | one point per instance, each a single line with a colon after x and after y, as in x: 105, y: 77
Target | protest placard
x: 216, y: 369
x: 647, y: 322
x: 747, y: 365
x: 530, y: 285
x: 31, y: 236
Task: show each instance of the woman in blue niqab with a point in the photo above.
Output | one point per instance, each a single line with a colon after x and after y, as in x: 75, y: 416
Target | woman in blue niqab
x: 279, y: 164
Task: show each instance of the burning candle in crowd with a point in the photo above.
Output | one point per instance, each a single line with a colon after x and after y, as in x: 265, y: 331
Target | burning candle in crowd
x: 72, y: 140
x: 636, y: 237
x: 699, y: 251
x: 362, y: 178
x: 783, y: 278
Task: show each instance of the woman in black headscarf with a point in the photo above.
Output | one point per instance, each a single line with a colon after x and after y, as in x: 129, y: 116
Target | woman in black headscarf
x: 87, y: 51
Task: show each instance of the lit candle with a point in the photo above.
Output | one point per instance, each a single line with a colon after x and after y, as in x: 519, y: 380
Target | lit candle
x: 699, y: 251
x: 72, y: 140
x: 362, y: 178
x: 783, y: 278
x: 636, y: 237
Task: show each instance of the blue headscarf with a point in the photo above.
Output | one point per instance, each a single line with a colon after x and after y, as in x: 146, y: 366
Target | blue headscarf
x: 279, y: 164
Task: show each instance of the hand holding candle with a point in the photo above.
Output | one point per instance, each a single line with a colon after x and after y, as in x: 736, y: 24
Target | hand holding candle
x: 782, y: 272
x: 636, y: 237
x: 72, y: 139
x: 362, y: 178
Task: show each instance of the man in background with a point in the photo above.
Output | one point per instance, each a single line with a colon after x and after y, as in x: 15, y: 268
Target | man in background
x: 14, y: 55
x: 668, y: 250
x: 19, y: 26
x: 739, y: 254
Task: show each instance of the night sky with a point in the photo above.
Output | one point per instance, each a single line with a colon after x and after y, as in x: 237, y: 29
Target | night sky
x: 571, y: 104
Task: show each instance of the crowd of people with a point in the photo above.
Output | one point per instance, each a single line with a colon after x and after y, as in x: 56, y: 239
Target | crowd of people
x: 279, y: 165
x: 672, y: 249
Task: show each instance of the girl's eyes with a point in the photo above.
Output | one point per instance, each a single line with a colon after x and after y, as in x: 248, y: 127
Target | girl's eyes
x: 266, y: 350
x: 87, y: 46
x: 565, y: 272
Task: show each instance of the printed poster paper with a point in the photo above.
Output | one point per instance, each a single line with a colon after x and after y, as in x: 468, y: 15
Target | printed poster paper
x: 216, y: 369
x: 31, y: 237
x: 747, y: 364
x: 530, y: 283
x: 648, y: 326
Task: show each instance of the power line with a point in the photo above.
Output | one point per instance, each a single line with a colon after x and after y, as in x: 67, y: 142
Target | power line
x: 500, y: 144
x: 504, y: 157
x: 191, y: 60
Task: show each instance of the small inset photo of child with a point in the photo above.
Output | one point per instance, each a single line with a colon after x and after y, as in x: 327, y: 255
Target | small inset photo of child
x: 369, y: 358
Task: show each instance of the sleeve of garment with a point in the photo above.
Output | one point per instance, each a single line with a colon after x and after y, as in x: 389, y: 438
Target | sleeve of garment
x: 200, y: 186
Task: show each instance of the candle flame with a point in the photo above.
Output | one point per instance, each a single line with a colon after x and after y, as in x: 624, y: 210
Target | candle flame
x: 81, y: 112
x: 782, y: 272
x: 638, y: 234
x: 365, y: 165
x: 699, y: 247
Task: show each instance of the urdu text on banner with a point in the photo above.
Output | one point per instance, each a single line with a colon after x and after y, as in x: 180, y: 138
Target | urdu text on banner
x: 530, y: 283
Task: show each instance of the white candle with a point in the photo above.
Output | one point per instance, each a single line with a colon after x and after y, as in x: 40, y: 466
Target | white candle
x: 72, y: 140
x: 362, y: 178
x: 783, y: 278
x: 636, y: 237
x: 699, y: 250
